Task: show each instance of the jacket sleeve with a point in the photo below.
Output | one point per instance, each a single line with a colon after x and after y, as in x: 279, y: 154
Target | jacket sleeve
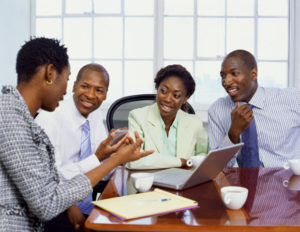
x: 28, y: 160
x: 201, y: 146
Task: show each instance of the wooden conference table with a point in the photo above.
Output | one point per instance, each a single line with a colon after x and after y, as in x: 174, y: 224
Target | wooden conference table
x: 273, y: 204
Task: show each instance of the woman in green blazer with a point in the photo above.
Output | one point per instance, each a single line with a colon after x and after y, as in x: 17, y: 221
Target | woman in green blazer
x: 174, y: 134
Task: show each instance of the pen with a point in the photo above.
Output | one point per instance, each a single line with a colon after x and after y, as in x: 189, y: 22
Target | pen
x: 163, y: 199
x: 154, y: 200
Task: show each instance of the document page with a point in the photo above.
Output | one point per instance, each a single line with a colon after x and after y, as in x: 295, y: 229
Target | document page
x: 145, y: 204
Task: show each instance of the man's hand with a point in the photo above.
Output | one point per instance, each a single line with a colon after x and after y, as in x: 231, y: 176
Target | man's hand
x: 76, y: 218
x: 131, y: 152
x: 106, y: 148
x: 241, y: 118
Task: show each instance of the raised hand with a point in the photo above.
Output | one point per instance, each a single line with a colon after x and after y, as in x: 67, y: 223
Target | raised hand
x: 131, y: 152
x: 108, y: 147
x: 123, y: 153
x: 241, y: 118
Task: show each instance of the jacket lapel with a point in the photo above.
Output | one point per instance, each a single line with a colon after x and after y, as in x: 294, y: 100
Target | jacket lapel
x: 154, y: 127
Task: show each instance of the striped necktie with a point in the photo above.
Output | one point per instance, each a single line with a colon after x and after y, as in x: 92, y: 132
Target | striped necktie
x: 249, y: 156
x: 85, y: 150
x: 85, y: 147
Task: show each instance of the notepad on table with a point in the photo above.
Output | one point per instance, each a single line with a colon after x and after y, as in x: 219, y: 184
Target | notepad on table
x: 145, y: 204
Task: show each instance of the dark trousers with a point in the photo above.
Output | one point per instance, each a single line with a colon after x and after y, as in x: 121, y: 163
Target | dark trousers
x: 61, y: 222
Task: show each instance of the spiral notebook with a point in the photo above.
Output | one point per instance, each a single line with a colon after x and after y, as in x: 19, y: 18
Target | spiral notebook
x: 145, y: 204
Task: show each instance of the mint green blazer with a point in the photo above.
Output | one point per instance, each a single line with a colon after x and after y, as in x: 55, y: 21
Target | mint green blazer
x: 191, y: 138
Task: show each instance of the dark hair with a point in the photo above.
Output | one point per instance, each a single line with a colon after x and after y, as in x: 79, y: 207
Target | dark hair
x: 178, y: 71
x: 246, y: 57
x: 37, y: 52
x: 94, y: 67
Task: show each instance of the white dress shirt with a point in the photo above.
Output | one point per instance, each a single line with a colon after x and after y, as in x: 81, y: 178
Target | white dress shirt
x: 63, y: 126
x: 277, y: 117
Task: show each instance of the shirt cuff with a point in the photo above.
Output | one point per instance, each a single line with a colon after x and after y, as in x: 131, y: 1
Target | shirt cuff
x: 89, y: 163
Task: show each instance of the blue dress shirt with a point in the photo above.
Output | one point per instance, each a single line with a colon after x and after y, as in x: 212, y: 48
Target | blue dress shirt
x: 277, y: 116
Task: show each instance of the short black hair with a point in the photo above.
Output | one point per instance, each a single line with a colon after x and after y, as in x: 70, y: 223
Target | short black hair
x: 95, y: 67
x: 39, y: 51
x: 178, y: 71
x: 246, y: 57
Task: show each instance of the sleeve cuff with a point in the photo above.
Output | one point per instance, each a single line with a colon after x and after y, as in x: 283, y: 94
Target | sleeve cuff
x: 89, y: 163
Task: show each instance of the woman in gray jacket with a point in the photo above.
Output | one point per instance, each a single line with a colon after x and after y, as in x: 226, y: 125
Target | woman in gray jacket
x: 30, y: 193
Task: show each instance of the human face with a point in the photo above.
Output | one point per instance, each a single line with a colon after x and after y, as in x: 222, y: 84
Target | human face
x: 90, y: 91
x: 238, y: 81
x: 58, y: 88
x: 171, y: 94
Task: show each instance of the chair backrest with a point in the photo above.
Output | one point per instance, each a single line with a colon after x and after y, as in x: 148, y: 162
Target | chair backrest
x: 117, y: 114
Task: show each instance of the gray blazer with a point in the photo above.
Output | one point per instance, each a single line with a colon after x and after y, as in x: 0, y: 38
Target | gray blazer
x: 30, y: 193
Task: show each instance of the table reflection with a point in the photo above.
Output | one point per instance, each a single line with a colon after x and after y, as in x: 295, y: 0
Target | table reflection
x: 273, y: 202
x: 268, y: 198
x: 210, y: 211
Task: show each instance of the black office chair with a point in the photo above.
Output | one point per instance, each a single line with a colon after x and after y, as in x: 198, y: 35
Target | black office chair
x: 117, y: 114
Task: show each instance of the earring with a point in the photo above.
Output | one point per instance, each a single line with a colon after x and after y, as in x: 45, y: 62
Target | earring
x: 49, y: 82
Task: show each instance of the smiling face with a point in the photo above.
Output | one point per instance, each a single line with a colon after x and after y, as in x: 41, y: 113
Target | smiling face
x: 90, y: 91
x: 238, y: 81
x: 171, y: 94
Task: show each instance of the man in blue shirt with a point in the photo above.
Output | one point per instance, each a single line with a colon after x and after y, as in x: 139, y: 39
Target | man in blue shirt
x: 276, y: 113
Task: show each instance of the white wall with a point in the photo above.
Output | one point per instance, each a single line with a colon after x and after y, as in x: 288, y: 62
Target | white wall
x: 14, y: 31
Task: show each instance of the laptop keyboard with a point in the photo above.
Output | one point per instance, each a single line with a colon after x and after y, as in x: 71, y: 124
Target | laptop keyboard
x: 172, y: 175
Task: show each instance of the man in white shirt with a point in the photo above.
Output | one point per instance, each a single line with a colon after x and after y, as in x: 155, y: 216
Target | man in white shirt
x: 64, y: 128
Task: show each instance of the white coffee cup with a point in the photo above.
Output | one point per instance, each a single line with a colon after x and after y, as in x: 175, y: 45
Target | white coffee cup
x: 234, y: 197
x: 294, y: 165
x: 293, y: 183
x: 142, y: 181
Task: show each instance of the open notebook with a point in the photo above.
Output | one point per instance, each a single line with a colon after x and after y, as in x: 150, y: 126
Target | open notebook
x: 145, y: 204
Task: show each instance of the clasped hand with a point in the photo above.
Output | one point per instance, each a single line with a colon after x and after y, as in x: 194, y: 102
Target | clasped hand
x: 241, y: 118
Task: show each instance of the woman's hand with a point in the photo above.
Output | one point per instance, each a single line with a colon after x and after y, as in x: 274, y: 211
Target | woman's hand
x: 76, y: 218
x: 106, y: 148
x: 131, y: 152
x: 125, y: 153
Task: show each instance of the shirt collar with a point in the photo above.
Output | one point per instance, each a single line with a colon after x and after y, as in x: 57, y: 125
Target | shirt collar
x: 76, y: 117
x: 174, y: 124
x: 258, y: 99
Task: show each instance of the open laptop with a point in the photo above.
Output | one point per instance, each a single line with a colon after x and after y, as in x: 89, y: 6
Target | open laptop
x: 211, y: 166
